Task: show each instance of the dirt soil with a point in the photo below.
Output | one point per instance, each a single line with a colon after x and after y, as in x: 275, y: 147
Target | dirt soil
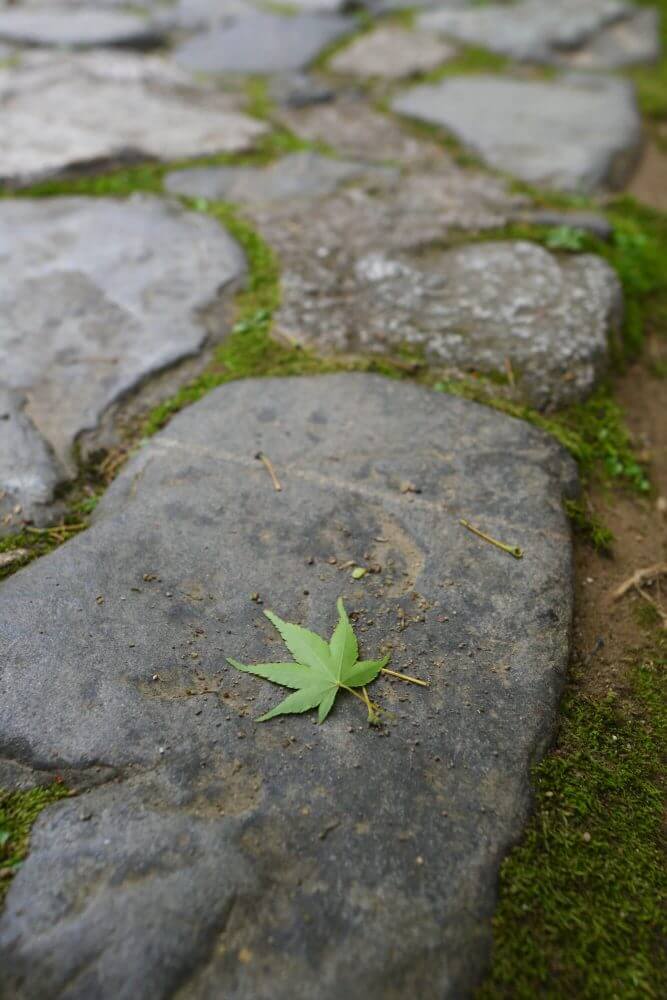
x: 607, y: 631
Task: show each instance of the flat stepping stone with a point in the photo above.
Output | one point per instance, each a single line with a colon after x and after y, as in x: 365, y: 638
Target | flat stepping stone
x: 600, y: 33
x: 301, y: 175
x: 329, y: 860
x: 577, y: 133
x: 391, y: 53
x: 65, y: 27
x: 476, y: 307
x: 52, y: 106
x: 97, y: 296
x: 262, y: 43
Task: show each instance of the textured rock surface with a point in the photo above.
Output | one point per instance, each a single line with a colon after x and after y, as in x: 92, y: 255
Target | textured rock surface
x: 53, y: 106
x: 538, y: 30
x: 289, y: 860
x: 577, y: 133
x: 95, y: 297
x: 354, y: 129
x: 469, y: 308
x: 634, y: 40
x: 301, y: 175
x: 262, y: 43
x: 377, y: 209
x: 59, y: 26
x: 392, y: 52
x: 29, y: 472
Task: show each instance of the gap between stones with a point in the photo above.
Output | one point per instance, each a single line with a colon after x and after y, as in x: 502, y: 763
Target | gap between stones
x: 249, y: 349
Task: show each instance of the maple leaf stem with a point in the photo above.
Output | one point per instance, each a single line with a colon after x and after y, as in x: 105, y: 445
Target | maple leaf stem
x: 352, y: 691
x: 367, y: 702
x: 404, y: 677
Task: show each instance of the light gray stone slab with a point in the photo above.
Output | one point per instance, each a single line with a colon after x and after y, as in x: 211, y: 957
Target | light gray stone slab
x: 67, y: 111
x: 262, y: 43
x: 476, y: 308
x: 195, y: 15
x: 633, y: 41
x: 60, y: 27
x: 233, y: 859
x: 576, y: 133
x: 97, y: 296
x: 392, y: 52
x: 302, y: 175
x: 29, y: 472
x: 530, y: 29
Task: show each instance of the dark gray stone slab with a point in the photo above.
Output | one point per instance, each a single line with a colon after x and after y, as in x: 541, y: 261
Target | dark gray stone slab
x: 53, y: 104
x: 576, y: 133
x: 476, y: 307
x: 63, y: 27
x: 286, y: 860
x: 96, y: 296
x: 262, y: 43
x: 301, y: 175
x: 537, y: 30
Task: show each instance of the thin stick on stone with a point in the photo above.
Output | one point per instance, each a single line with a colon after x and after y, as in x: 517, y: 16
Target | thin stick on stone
x: 513, y: 550
x: 271, y: 471
x: 404, y: 677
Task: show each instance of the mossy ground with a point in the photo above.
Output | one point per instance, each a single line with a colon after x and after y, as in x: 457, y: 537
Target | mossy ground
x: 651, y: 81
x: 18, y: 812
x: 582, y: 899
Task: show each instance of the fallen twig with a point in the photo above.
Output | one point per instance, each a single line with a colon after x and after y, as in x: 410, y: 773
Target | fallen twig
x: 271, y: 471
x: 641, y: 578
x: 56, y: 531
x: 513, y: 550
x: 654, y: 604
x: 404, y: 677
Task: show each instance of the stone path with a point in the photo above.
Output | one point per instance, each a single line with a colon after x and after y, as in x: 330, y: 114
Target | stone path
x: 206, y: 855
x: 52, y: 103
x: 196, y: 807
x: 97, y: 297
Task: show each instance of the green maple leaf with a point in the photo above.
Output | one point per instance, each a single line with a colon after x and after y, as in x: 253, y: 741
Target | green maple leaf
x: 321, y: 669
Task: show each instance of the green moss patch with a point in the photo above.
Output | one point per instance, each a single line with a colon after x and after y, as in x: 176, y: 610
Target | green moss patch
x: 651, y: 81
x: 582, y: 905
x: 18, y: 812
